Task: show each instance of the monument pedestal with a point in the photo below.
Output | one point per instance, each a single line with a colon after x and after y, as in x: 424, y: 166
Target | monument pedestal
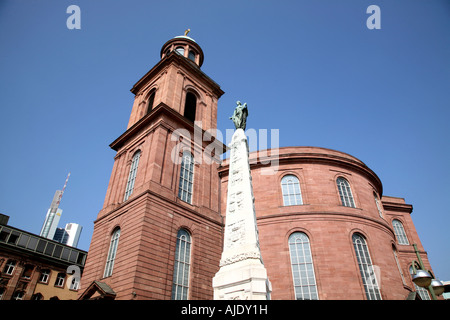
x: 242, y: 274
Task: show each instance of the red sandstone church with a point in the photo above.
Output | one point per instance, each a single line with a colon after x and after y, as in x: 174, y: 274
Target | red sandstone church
x: 326, y: 230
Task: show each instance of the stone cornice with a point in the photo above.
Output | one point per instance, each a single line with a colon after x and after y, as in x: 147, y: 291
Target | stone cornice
x: 163, y: 109
x: 327, y: 156
x: 328, y: 216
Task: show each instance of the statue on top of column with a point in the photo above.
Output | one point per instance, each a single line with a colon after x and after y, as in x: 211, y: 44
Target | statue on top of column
x: 240, y: 115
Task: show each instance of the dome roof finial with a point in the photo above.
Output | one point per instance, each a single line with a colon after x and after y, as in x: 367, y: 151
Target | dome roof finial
x: 186, y: 32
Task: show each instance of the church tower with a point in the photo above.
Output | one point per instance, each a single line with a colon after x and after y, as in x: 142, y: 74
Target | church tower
x: 159, y: 233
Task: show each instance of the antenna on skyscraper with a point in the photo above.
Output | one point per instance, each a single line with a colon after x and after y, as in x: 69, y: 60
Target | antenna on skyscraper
x: 62, y: 191
x: 53, y: 214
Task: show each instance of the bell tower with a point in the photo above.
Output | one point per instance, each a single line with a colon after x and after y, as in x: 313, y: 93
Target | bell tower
x: 159, y: 233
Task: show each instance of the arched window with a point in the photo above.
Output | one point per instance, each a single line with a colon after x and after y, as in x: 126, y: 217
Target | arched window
x: 379, y: 205
x: 151, y: 99
x: 400, y: 232
x: 132, y: 175
x: 180, y: 50
x: 182, y: 264
x: 366, y: 268
x: 190, y: 106
x: 290, y: 187
x: 423, y: 293
x: 112, y: 253
x: 186, y: 177
x: 302, y: 267
x: 345, y: 192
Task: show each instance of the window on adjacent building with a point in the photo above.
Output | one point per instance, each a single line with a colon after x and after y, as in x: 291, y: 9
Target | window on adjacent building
x: 37, y: 296
x: 366, y: 268
x: 302, y: 267
x: 190, y: 106
x: 45, y: 274
x: 290, y: 187
x: 399, y: 231
x: 112, y: 253
x: 60, y: 279
x: 75, y: 284
x: 18, y: 295
x: 27, y: 271
x: 180, y: 285
x: 345, y: 192
x: 423, y: 293
x: 186, y: 177
x: 132, y: 175
x: 9, y: 267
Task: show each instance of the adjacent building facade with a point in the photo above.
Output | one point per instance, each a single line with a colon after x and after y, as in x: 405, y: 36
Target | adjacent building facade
x: 326, y: 230
x: 36, y: 268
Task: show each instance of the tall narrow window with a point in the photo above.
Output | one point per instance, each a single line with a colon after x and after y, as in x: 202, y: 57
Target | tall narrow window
x: 132, y: 175
x: 302, y: 267
x: 290, y: 187
x: 400, y: 232
x: 180, y: 285
x: 191, y: 55
x: 186, y: 177
x: 112, y: 253
x: 45, y: 274
x: 398, y: 264
x: 423, y: 293
x: 60, y: 278
x: 151, y: 99
x: 345, y: 192
x: 379, y: 205
x: 190, y: 106
x: 366, y: 268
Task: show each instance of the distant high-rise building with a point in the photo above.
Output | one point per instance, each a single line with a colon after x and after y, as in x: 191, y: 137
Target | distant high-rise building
x: 52, y: 218
x: 69, y: 235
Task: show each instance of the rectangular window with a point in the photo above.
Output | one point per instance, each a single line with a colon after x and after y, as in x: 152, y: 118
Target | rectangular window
x: 4, y: 234
x: 9, y: 267
x: 45, y: 274
x: 32, y: 243
x: 13, y: 237
x: 60, y: 280
x: 23, y: 240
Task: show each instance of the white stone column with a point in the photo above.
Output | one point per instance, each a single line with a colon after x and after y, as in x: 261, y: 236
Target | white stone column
x: 242, y: 274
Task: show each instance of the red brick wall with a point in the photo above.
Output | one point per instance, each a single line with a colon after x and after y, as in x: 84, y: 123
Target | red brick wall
x: 328, y: 224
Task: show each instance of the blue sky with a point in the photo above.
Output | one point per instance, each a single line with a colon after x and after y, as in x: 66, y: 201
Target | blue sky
x: 311, y: 69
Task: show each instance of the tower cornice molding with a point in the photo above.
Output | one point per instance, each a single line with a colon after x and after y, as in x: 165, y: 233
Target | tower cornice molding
x: 163, y: 109
x: 189, y: 66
